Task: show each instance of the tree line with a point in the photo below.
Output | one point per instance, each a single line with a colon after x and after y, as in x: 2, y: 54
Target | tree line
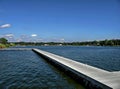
x: 113, y: 42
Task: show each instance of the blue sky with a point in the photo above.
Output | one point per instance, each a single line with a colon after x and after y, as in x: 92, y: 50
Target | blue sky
x: 59, y: 20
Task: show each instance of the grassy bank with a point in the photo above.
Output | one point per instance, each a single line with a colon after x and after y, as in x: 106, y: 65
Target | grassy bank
x: 6, y: 45
x: 2, y: 46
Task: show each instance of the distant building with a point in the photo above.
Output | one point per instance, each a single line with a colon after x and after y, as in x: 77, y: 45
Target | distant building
x: 60, y: 44
x: 45, y: 44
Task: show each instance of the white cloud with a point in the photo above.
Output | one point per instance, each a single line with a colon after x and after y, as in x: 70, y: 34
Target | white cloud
x: 19, y: 40
x: 62, y: 39
x: 34, y: 35
x: 9, y: 35
x: 5, y: 26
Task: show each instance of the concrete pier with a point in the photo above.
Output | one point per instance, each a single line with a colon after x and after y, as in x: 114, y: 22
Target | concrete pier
x: 91, y: 77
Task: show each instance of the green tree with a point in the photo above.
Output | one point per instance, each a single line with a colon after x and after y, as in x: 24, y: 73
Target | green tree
x: 3, y: 41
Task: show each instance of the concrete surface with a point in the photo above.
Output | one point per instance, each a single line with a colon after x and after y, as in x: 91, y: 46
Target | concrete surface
x: 102, y: 78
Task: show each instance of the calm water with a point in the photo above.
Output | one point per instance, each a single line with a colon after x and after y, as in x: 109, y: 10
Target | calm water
x: 107, y: 58
x: 27, y: 70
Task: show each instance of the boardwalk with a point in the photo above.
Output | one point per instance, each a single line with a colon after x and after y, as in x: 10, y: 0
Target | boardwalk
x: 97, y: 77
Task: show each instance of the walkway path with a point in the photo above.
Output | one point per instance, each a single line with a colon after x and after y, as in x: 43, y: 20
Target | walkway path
x: 100, y: 78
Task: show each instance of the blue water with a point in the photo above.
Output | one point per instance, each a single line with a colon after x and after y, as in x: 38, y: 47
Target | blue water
x: 27, y: 70
x: 104, y: 57
x: 107, y: 58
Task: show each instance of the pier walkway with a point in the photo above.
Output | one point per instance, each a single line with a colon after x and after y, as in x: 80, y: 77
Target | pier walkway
x: 92, y: 77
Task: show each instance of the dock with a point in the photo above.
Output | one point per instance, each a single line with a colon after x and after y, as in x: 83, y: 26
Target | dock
x: 91, y: 77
